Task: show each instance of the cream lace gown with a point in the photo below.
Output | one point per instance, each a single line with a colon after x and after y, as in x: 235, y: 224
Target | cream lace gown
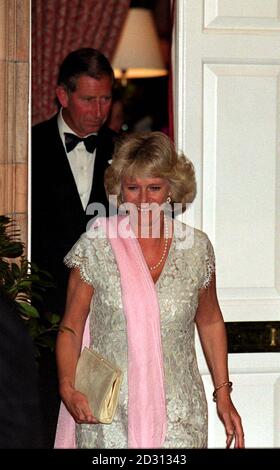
x: 189, y: 267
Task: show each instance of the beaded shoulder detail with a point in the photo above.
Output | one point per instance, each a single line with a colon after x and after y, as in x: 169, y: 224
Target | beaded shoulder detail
x: 79, y: 257
x: 210, y: 265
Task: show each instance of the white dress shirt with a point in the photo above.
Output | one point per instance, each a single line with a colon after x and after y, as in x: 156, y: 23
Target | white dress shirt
x: 81, y: 162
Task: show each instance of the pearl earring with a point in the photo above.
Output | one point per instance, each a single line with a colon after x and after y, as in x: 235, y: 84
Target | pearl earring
x: 168, y: 200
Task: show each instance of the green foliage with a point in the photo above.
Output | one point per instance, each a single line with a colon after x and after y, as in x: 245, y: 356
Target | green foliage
x: 24, y: 282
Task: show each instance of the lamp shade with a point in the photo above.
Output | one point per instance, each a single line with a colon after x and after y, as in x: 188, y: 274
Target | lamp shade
x: 138, y: 53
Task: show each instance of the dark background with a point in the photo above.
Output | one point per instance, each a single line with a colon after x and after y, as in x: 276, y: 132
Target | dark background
x: 148, y: 97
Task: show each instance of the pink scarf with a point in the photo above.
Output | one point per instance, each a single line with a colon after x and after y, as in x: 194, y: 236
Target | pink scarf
x: 146, y: 402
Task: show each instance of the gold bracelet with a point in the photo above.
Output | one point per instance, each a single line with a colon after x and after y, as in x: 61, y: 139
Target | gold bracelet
x: 224, y: 384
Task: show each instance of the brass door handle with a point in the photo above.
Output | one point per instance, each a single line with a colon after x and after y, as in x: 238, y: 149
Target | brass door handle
x: 273, y: 332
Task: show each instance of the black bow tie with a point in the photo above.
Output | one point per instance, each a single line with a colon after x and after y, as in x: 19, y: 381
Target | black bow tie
x: 71, y: 140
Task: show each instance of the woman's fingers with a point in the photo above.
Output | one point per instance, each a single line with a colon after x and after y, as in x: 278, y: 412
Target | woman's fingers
x: 230, y: 436
x: 233, y: 427
x: 239, y: 440
x: 80, y: 410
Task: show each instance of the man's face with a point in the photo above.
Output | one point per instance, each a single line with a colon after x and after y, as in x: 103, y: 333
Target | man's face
x: 86, y: 109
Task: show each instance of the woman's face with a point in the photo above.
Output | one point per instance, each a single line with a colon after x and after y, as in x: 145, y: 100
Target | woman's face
x: 145, y: 191
x: 146, y: 198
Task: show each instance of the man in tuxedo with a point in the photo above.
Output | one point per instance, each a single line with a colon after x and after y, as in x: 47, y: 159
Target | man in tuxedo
x: 20, y: 413
x: 67, y: 172
x: 70, y: 153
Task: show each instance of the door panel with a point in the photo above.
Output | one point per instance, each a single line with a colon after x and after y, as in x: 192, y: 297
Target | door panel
x: 250, y: 15
x: 256, y: 394
x: 241, y: 203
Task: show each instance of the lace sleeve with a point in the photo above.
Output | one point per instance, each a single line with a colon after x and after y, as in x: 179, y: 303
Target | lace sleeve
x: 79, y: 257
x: 209, y: 263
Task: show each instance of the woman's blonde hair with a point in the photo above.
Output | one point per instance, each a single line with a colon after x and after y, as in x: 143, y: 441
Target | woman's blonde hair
x: 151, y: 155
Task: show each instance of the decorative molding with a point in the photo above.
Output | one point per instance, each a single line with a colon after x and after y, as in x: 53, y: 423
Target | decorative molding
x: 265, y: 287
x: 260, y: 15
x: 180, y: 71
x: 14, y: 96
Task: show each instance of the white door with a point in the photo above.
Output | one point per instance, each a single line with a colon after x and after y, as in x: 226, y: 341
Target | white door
x: 227, y: 101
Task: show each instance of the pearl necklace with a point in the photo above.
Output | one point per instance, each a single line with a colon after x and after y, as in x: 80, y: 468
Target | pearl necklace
x: 166, y: 237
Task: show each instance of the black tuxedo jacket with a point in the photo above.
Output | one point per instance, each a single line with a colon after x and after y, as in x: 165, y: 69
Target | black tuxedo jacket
x: 20, y: 413
x: 58, y: 217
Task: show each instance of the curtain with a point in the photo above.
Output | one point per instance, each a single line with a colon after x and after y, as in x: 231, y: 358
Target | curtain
x: 60, y: 26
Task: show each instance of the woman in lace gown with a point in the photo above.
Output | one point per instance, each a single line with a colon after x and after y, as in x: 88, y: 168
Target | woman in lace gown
x: 144, y: 293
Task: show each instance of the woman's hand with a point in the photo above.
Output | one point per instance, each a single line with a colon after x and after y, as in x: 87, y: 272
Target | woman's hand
x: 77, y: 405
x: 231, y: 420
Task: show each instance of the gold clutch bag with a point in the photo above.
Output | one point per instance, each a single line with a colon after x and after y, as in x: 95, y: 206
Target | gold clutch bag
x: 100, y: 381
